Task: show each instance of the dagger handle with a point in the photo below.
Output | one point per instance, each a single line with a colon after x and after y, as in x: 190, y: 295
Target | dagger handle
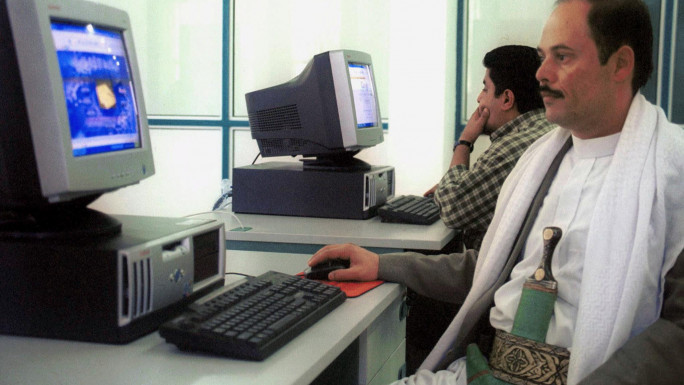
x: 543, y: 274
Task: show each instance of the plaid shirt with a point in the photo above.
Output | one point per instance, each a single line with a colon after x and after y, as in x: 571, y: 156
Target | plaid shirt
x: 467, y: 197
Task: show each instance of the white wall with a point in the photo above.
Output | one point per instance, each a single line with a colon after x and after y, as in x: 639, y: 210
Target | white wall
x: 422, y: 94
x: 492, y: 24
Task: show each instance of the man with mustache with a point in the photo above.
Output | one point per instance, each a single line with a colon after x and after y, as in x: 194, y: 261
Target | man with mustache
x: 616, y: 195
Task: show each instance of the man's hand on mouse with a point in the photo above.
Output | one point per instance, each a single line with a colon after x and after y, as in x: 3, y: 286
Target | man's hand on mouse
x: 363, y: 263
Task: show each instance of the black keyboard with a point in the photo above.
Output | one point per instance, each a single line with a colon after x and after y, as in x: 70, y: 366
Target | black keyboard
x: 410, y: 209
x: 254, y: 319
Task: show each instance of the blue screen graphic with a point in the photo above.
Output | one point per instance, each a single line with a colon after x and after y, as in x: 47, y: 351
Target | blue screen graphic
x: 97, y: 87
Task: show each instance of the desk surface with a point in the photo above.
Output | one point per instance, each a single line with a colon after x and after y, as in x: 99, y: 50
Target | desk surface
x: 323, y: 231
x: 150, y: 360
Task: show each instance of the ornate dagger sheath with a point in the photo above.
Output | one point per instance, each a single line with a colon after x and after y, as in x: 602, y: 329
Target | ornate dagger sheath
x: 538, y: 294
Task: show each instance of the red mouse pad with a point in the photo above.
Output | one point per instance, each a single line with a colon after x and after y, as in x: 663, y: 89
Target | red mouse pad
x: 351, y: 288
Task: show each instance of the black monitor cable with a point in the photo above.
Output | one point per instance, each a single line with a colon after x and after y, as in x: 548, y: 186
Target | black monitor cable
x: 241, y: 274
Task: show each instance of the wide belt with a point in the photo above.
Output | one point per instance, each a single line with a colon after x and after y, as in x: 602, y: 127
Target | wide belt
x: 521, y: 361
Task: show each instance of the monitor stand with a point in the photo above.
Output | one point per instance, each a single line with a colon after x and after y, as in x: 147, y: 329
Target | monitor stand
x: 64, y: 222
x: 345, y: 162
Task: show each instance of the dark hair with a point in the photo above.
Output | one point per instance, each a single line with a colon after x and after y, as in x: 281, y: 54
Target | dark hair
x: 615, y: 23
x: 514, y: 67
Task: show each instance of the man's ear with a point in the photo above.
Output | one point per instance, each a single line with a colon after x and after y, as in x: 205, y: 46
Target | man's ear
x: 508, y: 100
x: 623, y: 62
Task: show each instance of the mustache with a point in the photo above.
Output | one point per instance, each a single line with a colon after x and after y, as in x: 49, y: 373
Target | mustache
x: 550, y: 92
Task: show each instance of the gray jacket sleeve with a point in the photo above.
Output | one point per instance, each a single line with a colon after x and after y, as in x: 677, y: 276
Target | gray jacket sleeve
x: 656, y: 356
x: 445, y: 277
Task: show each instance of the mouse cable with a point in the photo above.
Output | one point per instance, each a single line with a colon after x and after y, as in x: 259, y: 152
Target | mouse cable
x: 257, y: 157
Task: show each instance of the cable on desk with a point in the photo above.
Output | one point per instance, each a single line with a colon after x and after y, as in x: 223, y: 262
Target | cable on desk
x: 241, y: 274
x: 237, y: 219
x: 223, y: 201
x: 222, y: 210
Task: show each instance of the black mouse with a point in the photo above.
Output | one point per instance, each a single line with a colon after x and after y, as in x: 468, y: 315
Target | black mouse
x: 321, y: 270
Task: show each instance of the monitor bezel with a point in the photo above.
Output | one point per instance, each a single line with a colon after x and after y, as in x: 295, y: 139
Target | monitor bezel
x: 62, y: 175
x: 353, y: 137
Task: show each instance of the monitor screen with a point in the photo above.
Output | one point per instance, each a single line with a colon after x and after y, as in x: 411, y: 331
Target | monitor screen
x: 364, y: 95
x: 99, y: 95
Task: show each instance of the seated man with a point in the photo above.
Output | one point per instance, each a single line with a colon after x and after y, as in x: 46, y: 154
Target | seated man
x: 615, y: 191
x: 510, y: 111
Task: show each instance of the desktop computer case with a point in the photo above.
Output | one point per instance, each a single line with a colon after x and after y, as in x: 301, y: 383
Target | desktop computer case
x: 285, y: 188
x: 112, y: 289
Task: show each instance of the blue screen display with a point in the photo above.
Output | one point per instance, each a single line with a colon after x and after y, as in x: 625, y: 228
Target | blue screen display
x: 98, y: 88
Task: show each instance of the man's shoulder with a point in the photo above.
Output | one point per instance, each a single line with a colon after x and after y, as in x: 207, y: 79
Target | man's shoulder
x: 671, y: 131
x: 535, y: 120
x: 670, y: 142
x: 669, y: 137
x: 531, y: 124
x: 527, y: 130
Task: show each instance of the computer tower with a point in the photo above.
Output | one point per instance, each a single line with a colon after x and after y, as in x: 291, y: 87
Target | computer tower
x: 109, y: 289
x: 286, y: 188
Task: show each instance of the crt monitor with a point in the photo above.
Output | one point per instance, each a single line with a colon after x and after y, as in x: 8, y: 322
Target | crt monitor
x: 72, y: 113
x: 330, y: 111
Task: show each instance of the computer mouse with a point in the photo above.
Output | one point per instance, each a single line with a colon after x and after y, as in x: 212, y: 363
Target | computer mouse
x: 321, y: 270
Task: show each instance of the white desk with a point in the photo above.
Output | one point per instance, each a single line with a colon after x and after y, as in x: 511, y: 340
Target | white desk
x: 150, y: 360
x: 275, y: 233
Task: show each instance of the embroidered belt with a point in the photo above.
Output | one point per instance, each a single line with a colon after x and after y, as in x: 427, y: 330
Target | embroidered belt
x: 521, y: 361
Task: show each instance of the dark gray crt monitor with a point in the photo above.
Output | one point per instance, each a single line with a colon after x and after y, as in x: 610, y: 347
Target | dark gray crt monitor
x: 330, y: 111
x: 73, y: 117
